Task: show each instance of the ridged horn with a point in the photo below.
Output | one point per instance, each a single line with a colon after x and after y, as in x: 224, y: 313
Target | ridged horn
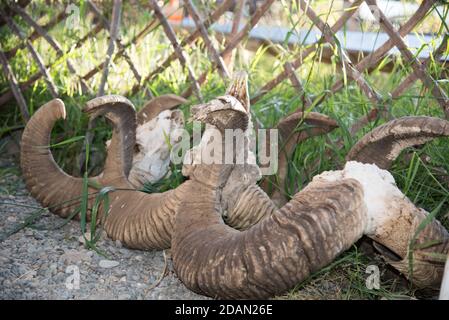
x: 45, y: 180
x: 121, y: 113
x: 294, y: 129
x: 155, y: 106
x: 274, y: 255
x: 383, y: 145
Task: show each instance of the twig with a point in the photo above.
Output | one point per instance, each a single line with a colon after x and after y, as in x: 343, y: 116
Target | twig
x: 37, y: 58
x: 14, y: 87
x: 113, y: 32
x: 178, y: 49
x: 55, y: 45
x: 161, y: 277
x: 192, y: 37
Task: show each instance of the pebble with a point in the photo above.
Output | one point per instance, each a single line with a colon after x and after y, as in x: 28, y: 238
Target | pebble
x: 107, y: 264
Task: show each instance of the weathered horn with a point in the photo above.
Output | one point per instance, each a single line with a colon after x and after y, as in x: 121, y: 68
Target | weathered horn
x: 294, y: 129
x: 382, y: 145
x: 121, y: 113
x: 272, y: 256
x: 155, y: 106
x: 45, y: 180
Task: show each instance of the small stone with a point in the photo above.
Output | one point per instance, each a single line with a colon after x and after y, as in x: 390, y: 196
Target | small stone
x: 87, y: 236
x: 118, y: 243
x: 107, y: 264
x: 124, y: 297
x: 11, y: 219
x: 123, y: 279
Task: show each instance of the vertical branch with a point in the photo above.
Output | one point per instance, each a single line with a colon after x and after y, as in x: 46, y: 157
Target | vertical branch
x: 120, y: 46
x: 200, y: 26
x: 192, y: 37
x: 37, y: 58
x: 14, y: 87
x: 113, y: 32
x: 178, y: 49
x: 236, y: 19
x: 51, y: 42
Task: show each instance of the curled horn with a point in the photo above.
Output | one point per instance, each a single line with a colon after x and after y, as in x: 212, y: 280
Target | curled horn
x: 383, y: 145
x: 273, y: 255
x: 293, y: 130
x: 121, y: 113
x: 155, y: 106
x: 45, y: 180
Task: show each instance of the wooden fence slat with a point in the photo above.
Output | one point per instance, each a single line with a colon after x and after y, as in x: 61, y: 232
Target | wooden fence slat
x: 413, y: 77
x: 297, y: 84
x: 14, y: 87
x: 119, y: 54
x: 426, y: 78
x: 237, y: 17
x: 22, y: 3
x: 178, y: 49
x: 113, y: 32
x: 8, y: 95
x: 37, y: 58
x: 53, y: 43
x: 303, y: 54
x: 35, y: 35
x: 118, y: 42
x: 192, y: 37
x: 329, y: 35
x: 210, y: 47
x: 236, y: 40
x: 376, y: 56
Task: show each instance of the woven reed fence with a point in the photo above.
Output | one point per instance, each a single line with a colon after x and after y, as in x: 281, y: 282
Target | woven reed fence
x: 219, y: 57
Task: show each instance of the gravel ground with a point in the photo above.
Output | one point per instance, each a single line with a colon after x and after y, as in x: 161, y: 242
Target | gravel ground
x: 38, y: 264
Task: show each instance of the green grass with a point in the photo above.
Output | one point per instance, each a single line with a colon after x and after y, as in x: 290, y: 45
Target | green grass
x: 421, y: 181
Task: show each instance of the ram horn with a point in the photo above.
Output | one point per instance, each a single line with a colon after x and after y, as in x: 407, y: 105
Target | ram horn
x: 139, y: 220
x: 403, y: 240
x: 272, y: 256
x: 156, y: 105
x: 383, y: 145
x: 45, y: 180
x: 294, y: 129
